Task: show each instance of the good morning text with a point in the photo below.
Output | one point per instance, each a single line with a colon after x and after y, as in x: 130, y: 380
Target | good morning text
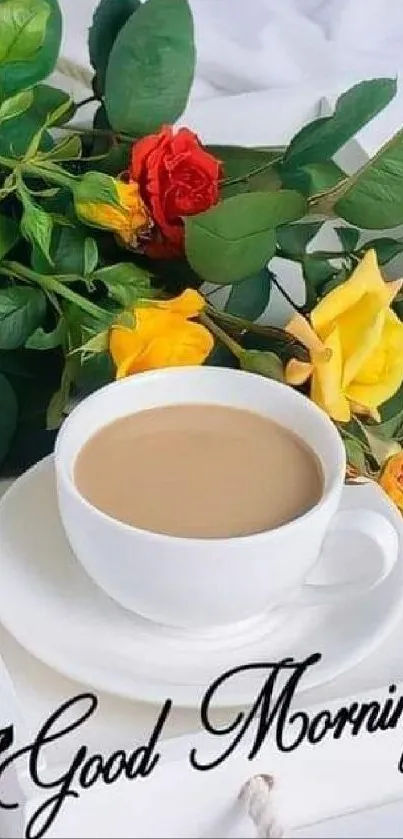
x: 270, y: 712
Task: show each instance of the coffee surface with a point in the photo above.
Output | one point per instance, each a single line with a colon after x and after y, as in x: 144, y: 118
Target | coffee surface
x: 201, y: 471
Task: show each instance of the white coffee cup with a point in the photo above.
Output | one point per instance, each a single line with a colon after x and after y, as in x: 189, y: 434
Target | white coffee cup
x: 204, y: 583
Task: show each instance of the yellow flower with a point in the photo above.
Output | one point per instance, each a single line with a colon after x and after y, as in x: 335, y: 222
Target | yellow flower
x: 391, y: 479
x: 356, y: 345
x: 102, y: 201
x: 163, y: 335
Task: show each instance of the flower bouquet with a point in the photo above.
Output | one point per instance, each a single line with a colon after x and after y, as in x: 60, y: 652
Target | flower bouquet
x: 109, y: 234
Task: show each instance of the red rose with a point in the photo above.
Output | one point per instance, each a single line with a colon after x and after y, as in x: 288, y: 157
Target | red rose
x: 177, y: 178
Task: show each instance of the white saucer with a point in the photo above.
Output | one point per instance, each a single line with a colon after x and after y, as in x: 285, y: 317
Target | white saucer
x: 58, y: 614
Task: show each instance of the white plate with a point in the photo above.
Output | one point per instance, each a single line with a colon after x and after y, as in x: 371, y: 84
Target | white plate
x: 58, y: 614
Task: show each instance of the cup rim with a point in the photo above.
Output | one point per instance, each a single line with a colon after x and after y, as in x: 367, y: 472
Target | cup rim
x: 62, y: 469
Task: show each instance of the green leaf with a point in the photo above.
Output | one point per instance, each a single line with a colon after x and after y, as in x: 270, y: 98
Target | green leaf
x: 249, y: 298
x: 22, y: 310
x: 264, y: 363
x: 16, y: 106
x: 349, y: 237
x: 95, y: 187
x: 109, y: 18
x: 51, y: 100
x: 16, y: 136
x: 97, y: 344
x: 373, y: 198
x: 90, y: 255
x: 355, y: 455
x: 8, y: 416
x: 294, y: 238
x: 9, y: 235
x: 151, y: 68
x: 95, y: 372
x: 23, y: 28
x: 31, y: 32
x: 236, y: 238
x: 37, y: 226
x: 386, y: 249
x: 41, y: 340
x: 126, y: 283
x: 321, y: 139
x: 392, y: 417
x: 317, y: 271
x: 66, y: 250
x: 59, y: 402
x: 239, y: 161
x: 313, y: 178
x: 68, y: 149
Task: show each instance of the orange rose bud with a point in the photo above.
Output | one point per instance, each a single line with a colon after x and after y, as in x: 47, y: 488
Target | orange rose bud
x: 391, y: 479
x: 104, y: 202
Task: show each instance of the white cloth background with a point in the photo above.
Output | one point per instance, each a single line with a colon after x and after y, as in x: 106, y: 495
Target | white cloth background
x: 277, y: 58
x: 250, y: 45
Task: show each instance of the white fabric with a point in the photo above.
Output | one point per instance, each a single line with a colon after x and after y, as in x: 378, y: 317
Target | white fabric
x: 263, y: 65
x: 264, y: 44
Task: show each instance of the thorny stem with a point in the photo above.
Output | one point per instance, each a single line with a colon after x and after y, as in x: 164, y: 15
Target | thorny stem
x: 225, y: 339
x: 242, y: 178
x: 52, y: 284
x: 260, y: 329
x: 108, y: 134
x: 40, y: 170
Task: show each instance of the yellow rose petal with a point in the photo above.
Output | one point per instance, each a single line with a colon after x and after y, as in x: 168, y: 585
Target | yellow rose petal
x: 326, y: 389
x: 364, y: 279
x: 129, y: 366
x: 382, y: 374
x: 123, y: 343
x: 360, y: 329
x: 189, y: 304
x: 392, y: 289
x: 300, y: 328
x: 297, y: 372
x: 187, y: 344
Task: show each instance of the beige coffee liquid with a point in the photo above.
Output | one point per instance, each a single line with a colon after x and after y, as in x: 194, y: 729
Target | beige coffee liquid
x: 199, y: 471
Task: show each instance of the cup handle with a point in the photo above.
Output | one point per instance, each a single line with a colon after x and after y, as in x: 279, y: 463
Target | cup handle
x: 382, y: 533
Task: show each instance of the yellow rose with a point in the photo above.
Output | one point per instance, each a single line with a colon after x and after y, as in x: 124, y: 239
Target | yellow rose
x: 102, y: 201
x: 356, y: 345
x: 391, y: 479
x: 163, y: 335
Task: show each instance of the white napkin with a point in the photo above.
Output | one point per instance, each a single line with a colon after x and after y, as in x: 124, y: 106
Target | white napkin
x: 266, y: 44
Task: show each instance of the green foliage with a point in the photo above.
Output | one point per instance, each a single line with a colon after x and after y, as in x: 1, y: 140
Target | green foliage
x: 293, y: 239
x: 126, y: 283
x: 249, y: 298
x: 9, y: 235
x: 8, y: 415
x: 312, y: 178
x: 239, y: 162
x: 17, y: 105
x: 151, y: 68
x: 373, y: 198
x: 22, y: 311
x: 386, y: 248
x: 349, y: 237
x: 41, y: 340
x: 236, y: 238
x: 31, y: 32
x: 323, y: 137
x: 263, y: 363
x: 37, y: 226
x: 109, y: 18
